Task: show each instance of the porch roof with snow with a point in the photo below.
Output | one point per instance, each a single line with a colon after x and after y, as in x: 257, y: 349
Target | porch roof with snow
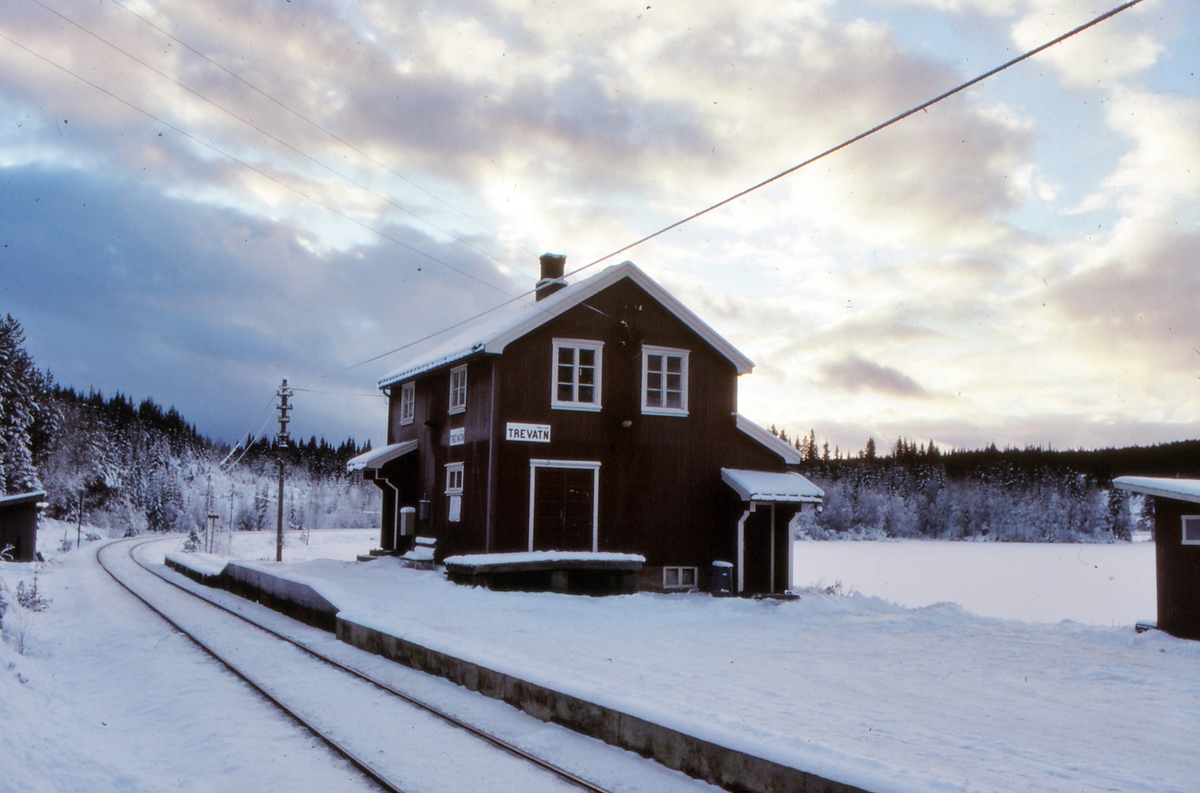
x: 496, y: 330
x: 767, y: 486
x: 377, y: 458
x: 1178, y: 489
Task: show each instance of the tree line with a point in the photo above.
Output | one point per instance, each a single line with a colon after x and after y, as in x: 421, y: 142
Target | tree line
x: 136, y: 466
x: 1030, y: 494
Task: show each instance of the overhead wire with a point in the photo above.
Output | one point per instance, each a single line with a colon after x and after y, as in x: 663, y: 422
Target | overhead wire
x: 848, y: 142
x: 383, y: 197
x: 314, y: 124
x: 258, y: 171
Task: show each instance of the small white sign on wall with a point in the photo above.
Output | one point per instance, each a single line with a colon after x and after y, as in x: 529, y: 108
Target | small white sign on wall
x: 458, y: 436
x: 532, y: 433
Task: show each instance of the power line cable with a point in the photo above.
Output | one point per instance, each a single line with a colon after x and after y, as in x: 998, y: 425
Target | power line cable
x: 765, y: 182
x: 266, y: 134
x: 314, y: 124
x: 258, y: 171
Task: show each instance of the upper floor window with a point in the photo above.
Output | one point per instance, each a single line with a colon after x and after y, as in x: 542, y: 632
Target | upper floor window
x: 664, y: 381
x: 576, y: 374
x: 408, y: 403
x: 458, y: 389
x: 1191, y: 529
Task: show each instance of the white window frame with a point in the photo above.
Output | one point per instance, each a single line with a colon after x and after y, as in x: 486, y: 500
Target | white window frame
x: 585, y: 464
x: 454, y: 479
x: 454, y: 491
x: 1184, y: 526
x: 673, y: 577
x: 458, y: 391
x: 408, y: 403
x: 658, y: 410
x: 574, y: 404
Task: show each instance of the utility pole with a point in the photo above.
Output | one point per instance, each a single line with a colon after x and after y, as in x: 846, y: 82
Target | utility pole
x: 284, y: 393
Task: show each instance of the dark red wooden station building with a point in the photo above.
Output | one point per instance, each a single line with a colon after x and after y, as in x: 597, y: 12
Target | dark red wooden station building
x: 1176, y: 549
x: 601, y: 417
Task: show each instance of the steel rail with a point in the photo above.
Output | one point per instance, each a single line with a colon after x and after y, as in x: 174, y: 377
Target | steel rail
x: 496, y: 741
x: 355, y: 760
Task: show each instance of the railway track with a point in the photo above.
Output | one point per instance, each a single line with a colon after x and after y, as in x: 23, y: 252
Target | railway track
x: 395, y: 739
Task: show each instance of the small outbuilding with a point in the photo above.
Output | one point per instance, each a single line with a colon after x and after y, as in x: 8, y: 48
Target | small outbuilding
x: 18, y: 525
x: 1177, y: 549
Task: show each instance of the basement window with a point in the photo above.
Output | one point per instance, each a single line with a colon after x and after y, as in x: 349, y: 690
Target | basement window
x: 679, y: 577
x: 1191, y: 529
x: 408, y: 403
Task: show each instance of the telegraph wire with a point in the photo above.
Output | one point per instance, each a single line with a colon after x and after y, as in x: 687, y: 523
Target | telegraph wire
x: 314, y: 124
x: 765, y: 182
x: 258, y: 171
x: 867, y: 133
x: 266, y: 134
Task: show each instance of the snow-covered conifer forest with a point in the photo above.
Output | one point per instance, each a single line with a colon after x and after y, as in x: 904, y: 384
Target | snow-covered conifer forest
x: 138, y: 467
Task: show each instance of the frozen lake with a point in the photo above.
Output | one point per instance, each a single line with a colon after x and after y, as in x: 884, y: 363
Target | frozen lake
x: 1036, y: 582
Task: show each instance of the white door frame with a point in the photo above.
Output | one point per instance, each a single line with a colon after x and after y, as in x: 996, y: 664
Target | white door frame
x: 576, y: 464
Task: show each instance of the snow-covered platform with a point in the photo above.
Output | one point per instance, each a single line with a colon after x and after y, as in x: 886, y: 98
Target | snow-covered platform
x: 570, y: 572
x: 840, y: 693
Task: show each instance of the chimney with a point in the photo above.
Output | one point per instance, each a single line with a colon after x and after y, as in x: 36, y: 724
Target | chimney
x: 553, y: 266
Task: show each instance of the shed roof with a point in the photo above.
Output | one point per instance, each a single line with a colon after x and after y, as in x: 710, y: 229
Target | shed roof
x: 17, y: 499
x: 1178, y: 489
x: 770, y: 486
x: 790, y: 454
x: 493, y: 332
x: 377, y: 458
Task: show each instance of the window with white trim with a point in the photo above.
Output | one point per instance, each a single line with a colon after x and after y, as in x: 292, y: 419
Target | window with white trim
x: 576, y: 376
x: 679, y: 577
x: 1191, y: 529
x: 664, y: 381
x: 458, y: 389
x: 454, y: 489
x: 408, y: 403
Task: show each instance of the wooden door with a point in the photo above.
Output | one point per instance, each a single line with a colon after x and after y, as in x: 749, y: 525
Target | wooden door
x: 563, y: 509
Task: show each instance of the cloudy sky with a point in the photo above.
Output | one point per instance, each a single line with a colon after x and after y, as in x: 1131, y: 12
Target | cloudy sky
x: 199, y: 197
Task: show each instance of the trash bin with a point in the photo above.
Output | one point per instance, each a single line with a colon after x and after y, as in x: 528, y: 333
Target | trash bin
x: 722, y: 579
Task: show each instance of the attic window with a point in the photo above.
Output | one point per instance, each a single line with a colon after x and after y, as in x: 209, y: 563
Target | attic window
x: 1191, y: 529
x: 576, y: 377
x: 408, y: 403
x: 458, y: 389
x: 664, y: 381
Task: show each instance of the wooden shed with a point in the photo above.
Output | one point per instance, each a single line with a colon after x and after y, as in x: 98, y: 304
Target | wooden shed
x: 596, y: 418
x: 18, y: 525
x: 1177, y: 549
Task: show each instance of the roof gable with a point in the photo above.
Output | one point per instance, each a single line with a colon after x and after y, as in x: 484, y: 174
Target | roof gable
x: 495, y: 331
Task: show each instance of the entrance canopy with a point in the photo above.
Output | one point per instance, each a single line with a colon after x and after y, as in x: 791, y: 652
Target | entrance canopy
x: 772, y: 487
x: 377, y: 458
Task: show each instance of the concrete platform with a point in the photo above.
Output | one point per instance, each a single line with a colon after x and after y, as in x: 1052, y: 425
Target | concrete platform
x: 728, y: 768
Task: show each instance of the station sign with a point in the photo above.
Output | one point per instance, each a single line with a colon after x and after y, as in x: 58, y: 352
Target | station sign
x: 530, y: 433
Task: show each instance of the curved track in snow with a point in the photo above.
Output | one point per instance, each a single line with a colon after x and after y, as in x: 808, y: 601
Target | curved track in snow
x: 398, y: 741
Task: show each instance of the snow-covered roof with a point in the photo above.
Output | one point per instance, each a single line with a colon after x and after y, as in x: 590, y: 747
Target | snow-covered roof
x: 769, y: 486
x: 494, y: 331
x: 21, y: 498
x: 790, y: 455
x: 1178, y: 489
x: 483, y: 562
x: 376, y: 458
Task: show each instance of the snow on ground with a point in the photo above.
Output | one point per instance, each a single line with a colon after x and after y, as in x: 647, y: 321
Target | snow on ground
x: 107, y: 697
x: 852, y: 688
x: 1095, y: 584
